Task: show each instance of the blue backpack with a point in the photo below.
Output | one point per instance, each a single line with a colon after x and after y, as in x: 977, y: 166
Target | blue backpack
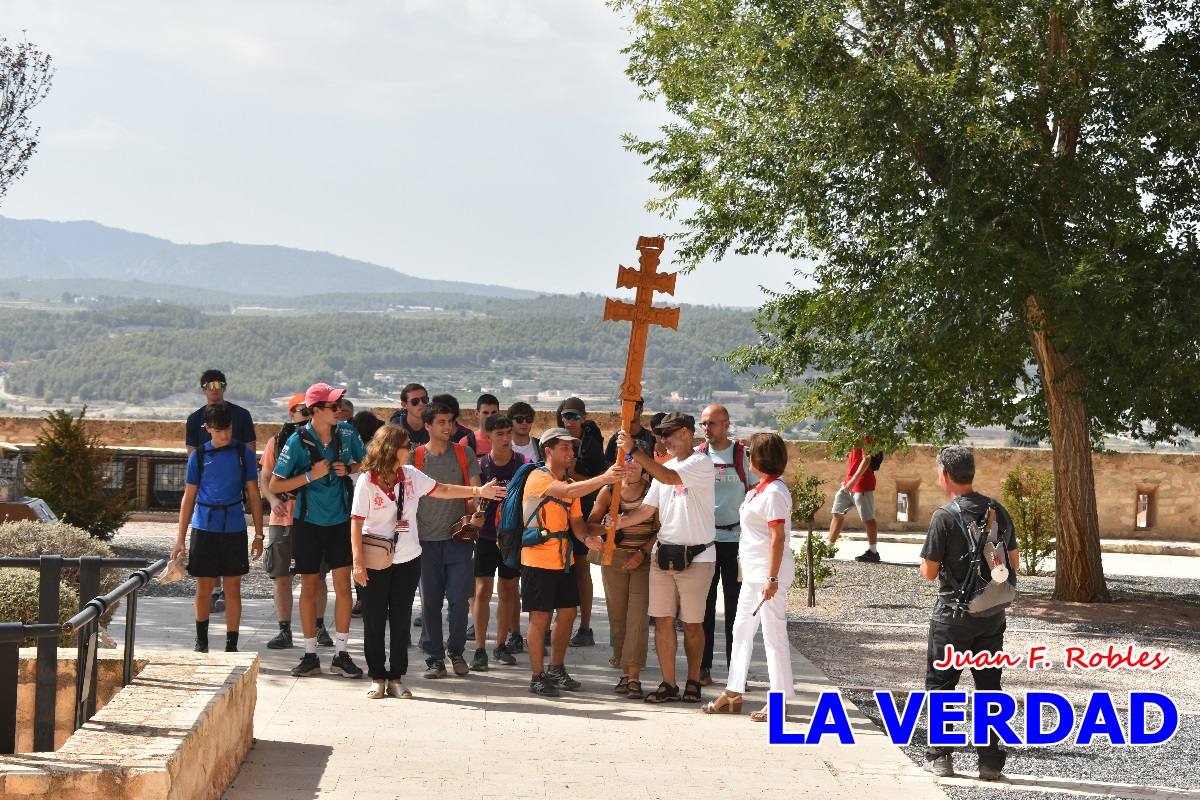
x: 513, y: 531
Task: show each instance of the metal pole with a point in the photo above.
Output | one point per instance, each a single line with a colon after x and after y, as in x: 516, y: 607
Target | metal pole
x: 46, y: 692
x: 130, y: 623
x: 87, y: 677
x: 89, y: 588
x: 11, y: 634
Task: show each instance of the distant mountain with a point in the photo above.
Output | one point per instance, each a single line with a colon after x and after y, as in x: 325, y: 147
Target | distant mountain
x: 39, y: 249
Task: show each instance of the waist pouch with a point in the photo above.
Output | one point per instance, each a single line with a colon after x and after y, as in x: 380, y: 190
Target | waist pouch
x: 677, y: 557
x: 378, y: 551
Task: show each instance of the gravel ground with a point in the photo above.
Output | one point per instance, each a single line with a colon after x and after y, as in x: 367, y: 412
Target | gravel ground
x: 869, y: 630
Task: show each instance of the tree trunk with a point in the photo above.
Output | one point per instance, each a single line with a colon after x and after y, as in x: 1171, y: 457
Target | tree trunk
x: 1078, y: 574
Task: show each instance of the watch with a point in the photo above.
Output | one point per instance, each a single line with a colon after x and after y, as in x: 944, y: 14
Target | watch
x: 772, y: 579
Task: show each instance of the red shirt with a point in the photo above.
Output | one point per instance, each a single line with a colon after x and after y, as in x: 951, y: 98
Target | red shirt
x: 866, y: 483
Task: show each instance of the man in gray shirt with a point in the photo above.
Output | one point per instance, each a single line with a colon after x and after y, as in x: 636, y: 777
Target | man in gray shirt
x: 447, y: 566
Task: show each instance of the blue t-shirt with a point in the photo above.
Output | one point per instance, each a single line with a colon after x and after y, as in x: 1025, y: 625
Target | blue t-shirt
x: 326, y: 500
x: 730, y: 490
x: 219, y: 506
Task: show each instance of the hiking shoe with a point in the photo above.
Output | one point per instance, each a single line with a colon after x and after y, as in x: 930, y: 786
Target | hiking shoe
x: 356, y: 611
x: 217, y: 603
x: 583, y: 638
x: 479, y: 663
x: 201, y: 646
x: 869, y: 557
x: 344, y: 666
x: 460, y: 664
x: 990, y: 773
x: 504, y: 655
x: 515, y: 643
x: 419, y: 621
x: 943, y: 767
x: 281, y: 640
x: 558, y: 674
x: 310, y: 664
x: 435, y: 669
x: 542, y: 684
x: 323, y: 637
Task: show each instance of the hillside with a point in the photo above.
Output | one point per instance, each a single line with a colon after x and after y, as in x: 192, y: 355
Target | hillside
x: 84, y: 250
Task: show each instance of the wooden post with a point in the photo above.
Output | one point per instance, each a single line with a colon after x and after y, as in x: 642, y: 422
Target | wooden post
x: 642, y: 314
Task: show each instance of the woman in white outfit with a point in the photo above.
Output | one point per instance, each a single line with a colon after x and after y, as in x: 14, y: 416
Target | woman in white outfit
x: 767, y: 573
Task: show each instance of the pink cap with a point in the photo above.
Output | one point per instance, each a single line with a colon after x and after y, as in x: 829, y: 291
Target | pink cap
x: 322, y: 393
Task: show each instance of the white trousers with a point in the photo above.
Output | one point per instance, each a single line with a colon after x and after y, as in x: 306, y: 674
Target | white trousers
x: 773, y: 616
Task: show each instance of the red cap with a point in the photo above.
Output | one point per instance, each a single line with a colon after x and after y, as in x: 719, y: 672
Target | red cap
x: 322, y: 393
x: 297, y: 400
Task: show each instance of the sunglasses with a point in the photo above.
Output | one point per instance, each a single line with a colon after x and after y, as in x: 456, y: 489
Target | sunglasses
x: 571, y: 415
x: 302, y: 411
x: 418, y: 401
x: 522, y: 419
x: 212, y: 386
x: 325, y: 406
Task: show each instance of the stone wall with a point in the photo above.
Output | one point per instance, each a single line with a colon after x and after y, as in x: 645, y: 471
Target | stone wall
x: 1172, y: 480
x: 180, y: 730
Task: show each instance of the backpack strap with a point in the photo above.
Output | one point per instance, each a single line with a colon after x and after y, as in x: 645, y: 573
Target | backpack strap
x: 460, y: 453
x: 739, y: 462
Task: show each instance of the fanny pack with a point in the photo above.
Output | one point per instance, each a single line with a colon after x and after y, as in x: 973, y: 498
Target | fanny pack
x: 378, y: 550
x: 677, y: 557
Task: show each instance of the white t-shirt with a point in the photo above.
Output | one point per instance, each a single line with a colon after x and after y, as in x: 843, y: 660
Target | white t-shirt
x: 762, y: 506
x: 378, y: 511
x: 527, y: 450
x: 686, y: 512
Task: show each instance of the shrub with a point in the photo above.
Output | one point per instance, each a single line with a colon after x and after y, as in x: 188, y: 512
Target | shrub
x: 19, y: 601
x: 67, y: 472
x: 807, y: 499
x: 28, y: 539
x: 1029, y: 498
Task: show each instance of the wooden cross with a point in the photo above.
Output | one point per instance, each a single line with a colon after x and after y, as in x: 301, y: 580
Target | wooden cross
x: 642, y: 313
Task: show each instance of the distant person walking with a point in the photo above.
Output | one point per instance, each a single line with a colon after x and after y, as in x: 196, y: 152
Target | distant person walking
x: 767, y: 572
x: 857, y: 491
x: 221, y: 477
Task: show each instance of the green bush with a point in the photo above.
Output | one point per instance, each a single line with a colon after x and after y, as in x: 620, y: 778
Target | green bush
x: 28, y: 539
x: 1029, y: 498
x: 807, y: 499
x: 67, y: 472
x: 19, y: 601
x: 822, y: 550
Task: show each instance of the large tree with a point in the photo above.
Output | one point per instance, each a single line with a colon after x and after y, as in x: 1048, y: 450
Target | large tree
x: 25, y: 75
x: 1000, y: 200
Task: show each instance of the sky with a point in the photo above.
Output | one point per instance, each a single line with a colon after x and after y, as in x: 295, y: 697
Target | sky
x: 469, y: 139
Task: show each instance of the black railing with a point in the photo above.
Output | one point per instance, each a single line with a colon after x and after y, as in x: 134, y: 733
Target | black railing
x: 85, y: 626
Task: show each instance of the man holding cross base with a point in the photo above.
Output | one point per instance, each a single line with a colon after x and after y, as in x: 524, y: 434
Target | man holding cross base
x: 684, y: 558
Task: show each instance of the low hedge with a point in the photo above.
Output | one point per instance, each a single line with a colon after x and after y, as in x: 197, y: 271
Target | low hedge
x: 19, y: 600
x: 28, y: 539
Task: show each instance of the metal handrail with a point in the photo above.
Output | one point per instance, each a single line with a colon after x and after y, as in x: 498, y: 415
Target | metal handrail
x: 107, y: 563
x: 95, y: 607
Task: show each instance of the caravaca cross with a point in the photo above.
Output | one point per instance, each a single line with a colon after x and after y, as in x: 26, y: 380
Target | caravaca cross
x: 642, y: 313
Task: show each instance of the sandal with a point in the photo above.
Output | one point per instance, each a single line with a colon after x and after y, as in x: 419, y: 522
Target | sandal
x: 378, y: 690
x: 760, y: 715
x: 691, y: 692
x: 724, y: 704
x: 398, y: 690
x: 634, y: 689
x: 665, y: 693
x: 622, y: 686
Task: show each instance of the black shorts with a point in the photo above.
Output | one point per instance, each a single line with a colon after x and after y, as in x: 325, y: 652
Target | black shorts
x: 317, y: 547
x: 548, y: 589
x: 488, y: 562
x: 218, y: 555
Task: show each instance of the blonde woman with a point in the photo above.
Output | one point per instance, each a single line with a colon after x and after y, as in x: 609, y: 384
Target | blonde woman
x: 627, y: 579
x: 767, y: 573
x: 385, y: 507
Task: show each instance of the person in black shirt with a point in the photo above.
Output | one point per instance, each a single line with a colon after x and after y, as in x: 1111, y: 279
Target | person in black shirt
x: 641, y: 437
x: 943, y: 559
x: 415, y: 397
x: 589, y: 462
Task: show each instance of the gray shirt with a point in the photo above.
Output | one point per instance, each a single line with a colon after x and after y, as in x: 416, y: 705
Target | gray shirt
x: 436, y: 517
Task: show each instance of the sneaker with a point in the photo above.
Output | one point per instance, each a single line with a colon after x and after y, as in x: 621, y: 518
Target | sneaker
x: 460, y: 664
x: 869, y: 557
x: 583, y: 638
x: 201, y: 646
x: 310, y: 664
x: 281, y: 640
x: 356, y: 611
x: 419, y: 621
x: 480, y: 662
x: 504, y: 655
x: 435, y: 669
x: 344, y: 666
x: 943, y: 766
x: 515, y: 643
x: 990, y: 773
x: 558, y: 674
x: 543, y: 685
x: 323, y: 637
x: 217, y: 603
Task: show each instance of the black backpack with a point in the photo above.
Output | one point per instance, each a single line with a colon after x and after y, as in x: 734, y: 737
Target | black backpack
x: 876, y: 461
x: 238, y: 448
x: 978, y: 595
x: 313, y: 448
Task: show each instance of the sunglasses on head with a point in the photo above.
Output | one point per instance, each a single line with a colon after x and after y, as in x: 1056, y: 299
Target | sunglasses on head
x: 212, y: 386
x: 571, y: 415
x: 522, y: 419
x: 418, y: 401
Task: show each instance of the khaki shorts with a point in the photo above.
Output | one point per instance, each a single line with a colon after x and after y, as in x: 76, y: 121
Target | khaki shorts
x: 687, y: 591
x: 277, y: 555
x: 843, y: 501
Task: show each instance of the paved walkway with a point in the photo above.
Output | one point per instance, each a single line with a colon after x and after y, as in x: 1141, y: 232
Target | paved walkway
x: 484, y: 736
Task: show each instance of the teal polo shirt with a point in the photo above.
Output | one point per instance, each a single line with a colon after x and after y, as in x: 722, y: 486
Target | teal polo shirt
x: 326, y: 500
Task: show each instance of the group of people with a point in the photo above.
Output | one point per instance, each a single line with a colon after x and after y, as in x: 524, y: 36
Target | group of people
x: 383, y: 506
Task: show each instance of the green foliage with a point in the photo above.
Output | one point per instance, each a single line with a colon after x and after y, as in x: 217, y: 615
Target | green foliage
x: 25, y: 75
x: 29, y: 539
x: 807, y: 499
x: 1029, y: 498
x: 823, y: 551
x: 965, y: 176
x: 19, y: 601
x: 67, y: 472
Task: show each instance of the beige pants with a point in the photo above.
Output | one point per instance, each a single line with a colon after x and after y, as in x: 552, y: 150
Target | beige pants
x: 686, y: 591
x: 628, y: 596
